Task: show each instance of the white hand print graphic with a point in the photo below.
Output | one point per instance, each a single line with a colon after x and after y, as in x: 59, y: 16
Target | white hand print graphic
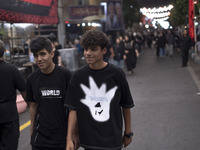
x: 98, y: 100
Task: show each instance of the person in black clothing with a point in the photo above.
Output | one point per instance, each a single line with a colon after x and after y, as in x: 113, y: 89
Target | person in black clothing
x: 97, y: 99
x: 11, y: 80
x: 185, y: 43
x: 161, y: 44
x: 118, y: 53
x: 26, y: 48
x: 108, y: 57
x: 57, y: 57
x: 46, y: 92
x: 130, y: 54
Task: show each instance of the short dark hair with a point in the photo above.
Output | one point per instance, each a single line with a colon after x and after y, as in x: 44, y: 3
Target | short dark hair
x: 93, y: 38
x: 39, y: 43
x: 2, y: 48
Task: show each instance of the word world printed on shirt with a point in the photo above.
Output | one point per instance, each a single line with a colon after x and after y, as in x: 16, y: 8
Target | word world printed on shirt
x: 50, y: 93
x: 98, y: 100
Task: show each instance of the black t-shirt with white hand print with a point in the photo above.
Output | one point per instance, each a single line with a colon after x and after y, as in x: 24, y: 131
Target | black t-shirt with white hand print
x: 97, y: 96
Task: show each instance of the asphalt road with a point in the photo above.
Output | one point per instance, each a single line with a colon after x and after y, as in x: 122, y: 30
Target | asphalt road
x: 167, y: 106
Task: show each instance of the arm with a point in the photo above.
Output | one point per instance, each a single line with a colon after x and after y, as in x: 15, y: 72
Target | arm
x: 72, y: 126
x: 23, y: 94
x: 112, y: 52
x: 32, y: 106
x: 127, y: 122
x: 59, y: 61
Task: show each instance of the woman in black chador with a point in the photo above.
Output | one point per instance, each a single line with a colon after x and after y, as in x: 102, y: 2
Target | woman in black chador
x: 130, y: 54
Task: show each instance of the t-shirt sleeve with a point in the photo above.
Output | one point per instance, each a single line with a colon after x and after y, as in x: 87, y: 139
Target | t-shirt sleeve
x: 126, y: 97
x: 19, y: 81
x: 29, y: 91
x: 70, y: 100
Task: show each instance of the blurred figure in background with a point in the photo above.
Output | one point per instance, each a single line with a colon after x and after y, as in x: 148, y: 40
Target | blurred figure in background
x: 57, y: 58
x: 185, y: 43
x: 170, y: 43
x: 108, y: 57
x: 130, y: 54
x: 119, y: 53
x: 162, y: 44
x: 26, y: 48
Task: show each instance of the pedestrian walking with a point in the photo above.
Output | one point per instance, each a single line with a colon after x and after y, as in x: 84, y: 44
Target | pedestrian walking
x: 46, y: 92
x: 185, y: 43
x: 130, y: 54
x: 170, y: 43
x: 118, y: 53
x: 155, y: 42
x: 96, y: 99
x: 11, y: 80
x: 162, y: 44
x: 108, y: 57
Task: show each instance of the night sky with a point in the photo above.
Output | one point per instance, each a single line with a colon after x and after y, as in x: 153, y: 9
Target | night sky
x: 155, y: 3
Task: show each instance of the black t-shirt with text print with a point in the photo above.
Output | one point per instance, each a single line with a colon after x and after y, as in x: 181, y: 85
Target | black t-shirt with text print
x: 97, y: 96
x: 48, y: 91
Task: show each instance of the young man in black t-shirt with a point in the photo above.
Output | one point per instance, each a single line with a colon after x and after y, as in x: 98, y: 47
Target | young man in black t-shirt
x: 97, y: 95
x: 11, y: 80
x: 46, y: 91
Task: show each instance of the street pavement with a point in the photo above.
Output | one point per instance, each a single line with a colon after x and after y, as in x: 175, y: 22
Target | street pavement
x: 167, y: 105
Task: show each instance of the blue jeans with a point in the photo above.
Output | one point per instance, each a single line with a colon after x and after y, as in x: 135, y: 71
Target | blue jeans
x: 119, y: 63
x: 162, y: 52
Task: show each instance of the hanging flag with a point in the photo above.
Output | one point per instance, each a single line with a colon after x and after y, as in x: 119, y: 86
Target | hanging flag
x: 191, y: 19
x: 29, y: 11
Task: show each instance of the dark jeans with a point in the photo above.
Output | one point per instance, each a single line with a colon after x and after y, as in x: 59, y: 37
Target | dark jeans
x: 185, y: 55
x: 9, y: 135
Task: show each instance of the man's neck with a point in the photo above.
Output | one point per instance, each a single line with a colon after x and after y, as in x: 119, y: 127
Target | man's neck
x: 49, y: 69
x: 98, y: 66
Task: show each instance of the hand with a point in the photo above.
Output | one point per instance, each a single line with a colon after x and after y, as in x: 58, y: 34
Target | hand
x: 70, y: 145
x: 126, y: 51
x: 124, y: 57
x: 126, y: 141
x: 76, y: 141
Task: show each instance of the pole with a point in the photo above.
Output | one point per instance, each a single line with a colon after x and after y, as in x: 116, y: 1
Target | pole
x: 195, y: 38
x: 61, y: 25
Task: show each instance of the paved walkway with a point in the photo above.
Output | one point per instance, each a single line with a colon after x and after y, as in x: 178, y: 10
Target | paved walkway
x: 166, y: 115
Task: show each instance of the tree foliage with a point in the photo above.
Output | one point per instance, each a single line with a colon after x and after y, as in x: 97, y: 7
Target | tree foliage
x: 179, y: 14
x: 131, y: 10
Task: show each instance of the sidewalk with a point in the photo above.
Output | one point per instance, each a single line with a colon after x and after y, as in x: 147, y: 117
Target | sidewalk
x: 195, y: 67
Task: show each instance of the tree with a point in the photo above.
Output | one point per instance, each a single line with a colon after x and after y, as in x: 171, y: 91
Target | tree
x: 179, y: 14
x: 131, y: 10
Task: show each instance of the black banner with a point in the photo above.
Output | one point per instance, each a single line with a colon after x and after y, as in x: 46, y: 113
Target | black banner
x: 114, y: 17
x: 29, y: 11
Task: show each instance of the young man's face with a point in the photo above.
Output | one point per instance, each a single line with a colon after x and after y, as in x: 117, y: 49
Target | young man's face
x: 94, y: 56
x: 43, y: 59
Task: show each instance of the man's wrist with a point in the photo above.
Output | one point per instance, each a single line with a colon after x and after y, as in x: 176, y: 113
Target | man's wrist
x: 128, y: 134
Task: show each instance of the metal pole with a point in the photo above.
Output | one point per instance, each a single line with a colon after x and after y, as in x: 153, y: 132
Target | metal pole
x: 61, y: 25
x: 195, y: 38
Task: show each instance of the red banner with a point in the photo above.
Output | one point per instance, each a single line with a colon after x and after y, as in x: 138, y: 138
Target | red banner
x: 29, y: 11
x: 191, y: 19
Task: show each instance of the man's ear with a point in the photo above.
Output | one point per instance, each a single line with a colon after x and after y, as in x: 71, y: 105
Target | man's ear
x: 104, y: 50
x: 52, y: 53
